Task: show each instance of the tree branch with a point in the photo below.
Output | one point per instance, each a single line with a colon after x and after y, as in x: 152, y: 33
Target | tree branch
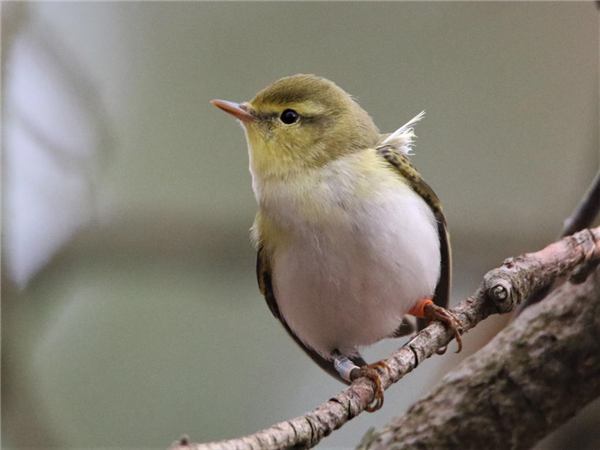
x: 583, y: 217
x: 531, y: 378
x: 501, y: 291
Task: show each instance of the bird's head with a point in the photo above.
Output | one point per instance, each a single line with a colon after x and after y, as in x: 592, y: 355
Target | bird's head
x: 299, y: 123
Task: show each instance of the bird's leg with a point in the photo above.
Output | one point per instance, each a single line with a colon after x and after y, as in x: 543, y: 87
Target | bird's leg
x: 430, y: 311
x: 371, y: 371
x: 343, y: 365
x: 350, y: 372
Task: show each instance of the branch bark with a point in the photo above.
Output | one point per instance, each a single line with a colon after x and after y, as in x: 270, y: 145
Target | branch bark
x: 501, y: 291
x: 531, y: 378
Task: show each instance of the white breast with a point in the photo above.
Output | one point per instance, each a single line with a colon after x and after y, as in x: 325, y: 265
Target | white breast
x: 347, y: 280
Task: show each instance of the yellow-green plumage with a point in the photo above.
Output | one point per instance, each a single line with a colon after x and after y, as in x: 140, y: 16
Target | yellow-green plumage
x: 342, y: 126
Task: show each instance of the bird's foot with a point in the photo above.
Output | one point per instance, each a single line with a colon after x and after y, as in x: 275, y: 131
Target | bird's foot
x: 371, y: 371
x: 433, y: 312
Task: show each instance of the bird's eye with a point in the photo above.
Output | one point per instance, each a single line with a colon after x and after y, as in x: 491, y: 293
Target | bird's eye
x: 289, y: 116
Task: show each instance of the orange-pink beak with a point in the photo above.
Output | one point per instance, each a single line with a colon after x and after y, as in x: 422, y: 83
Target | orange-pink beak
x: 237, y: 110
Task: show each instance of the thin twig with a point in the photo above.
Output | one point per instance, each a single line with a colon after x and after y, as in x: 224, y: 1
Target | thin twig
x: 586, y: 212
x: 583, y: 217
x: 501, y: 291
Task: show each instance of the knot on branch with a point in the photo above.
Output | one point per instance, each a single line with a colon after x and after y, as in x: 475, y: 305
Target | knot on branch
x: 181, y: 443
x: 504, y: 286
x: 500, y: 290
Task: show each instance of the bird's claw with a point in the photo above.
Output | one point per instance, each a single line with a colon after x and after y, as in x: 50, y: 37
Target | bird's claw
x: 434, y: 312
x: 370, y: 371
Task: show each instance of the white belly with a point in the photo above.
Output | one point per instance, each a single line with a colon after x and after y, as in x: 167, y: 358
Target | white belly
x: 348, y: 283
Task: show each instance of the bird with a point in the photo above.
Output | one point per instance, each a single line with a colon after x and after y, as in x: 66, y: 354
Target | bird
x: 350, y: 239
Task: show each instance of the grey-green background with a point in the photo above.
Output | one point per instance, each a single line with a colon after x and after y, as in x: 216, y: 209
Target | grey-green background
x: 146, y: 323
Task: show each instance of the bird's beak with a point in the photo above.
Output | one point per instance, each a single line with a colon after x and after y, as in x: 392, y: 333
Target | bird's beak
x: 238, y: 110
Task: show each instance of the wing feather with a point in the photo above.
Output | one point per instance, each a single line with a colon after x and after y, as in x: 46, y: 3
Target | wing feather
x: 405, y: 168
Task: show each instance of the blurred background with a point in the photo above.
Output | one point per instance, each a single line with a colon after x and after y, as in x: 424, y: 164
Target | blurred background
x: 130, y: 311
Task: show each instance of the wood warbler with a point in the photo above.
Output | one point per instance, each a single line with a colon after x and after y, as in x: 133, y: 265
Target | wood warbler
x: 350, y: 238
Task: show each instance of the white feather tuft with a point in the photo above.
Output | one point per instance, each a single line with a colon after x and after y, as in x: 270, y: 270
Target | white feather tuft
x: 404, y: 136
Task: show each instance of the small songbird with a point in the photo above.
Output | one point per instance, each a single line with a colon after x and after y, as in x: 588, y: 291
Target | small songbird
x: 350, y: 239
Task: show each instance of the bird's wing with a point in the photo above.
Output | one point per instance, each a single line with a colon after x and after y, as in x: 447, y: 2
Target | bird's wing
x: 399, y: 160
x: 265, y: 276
